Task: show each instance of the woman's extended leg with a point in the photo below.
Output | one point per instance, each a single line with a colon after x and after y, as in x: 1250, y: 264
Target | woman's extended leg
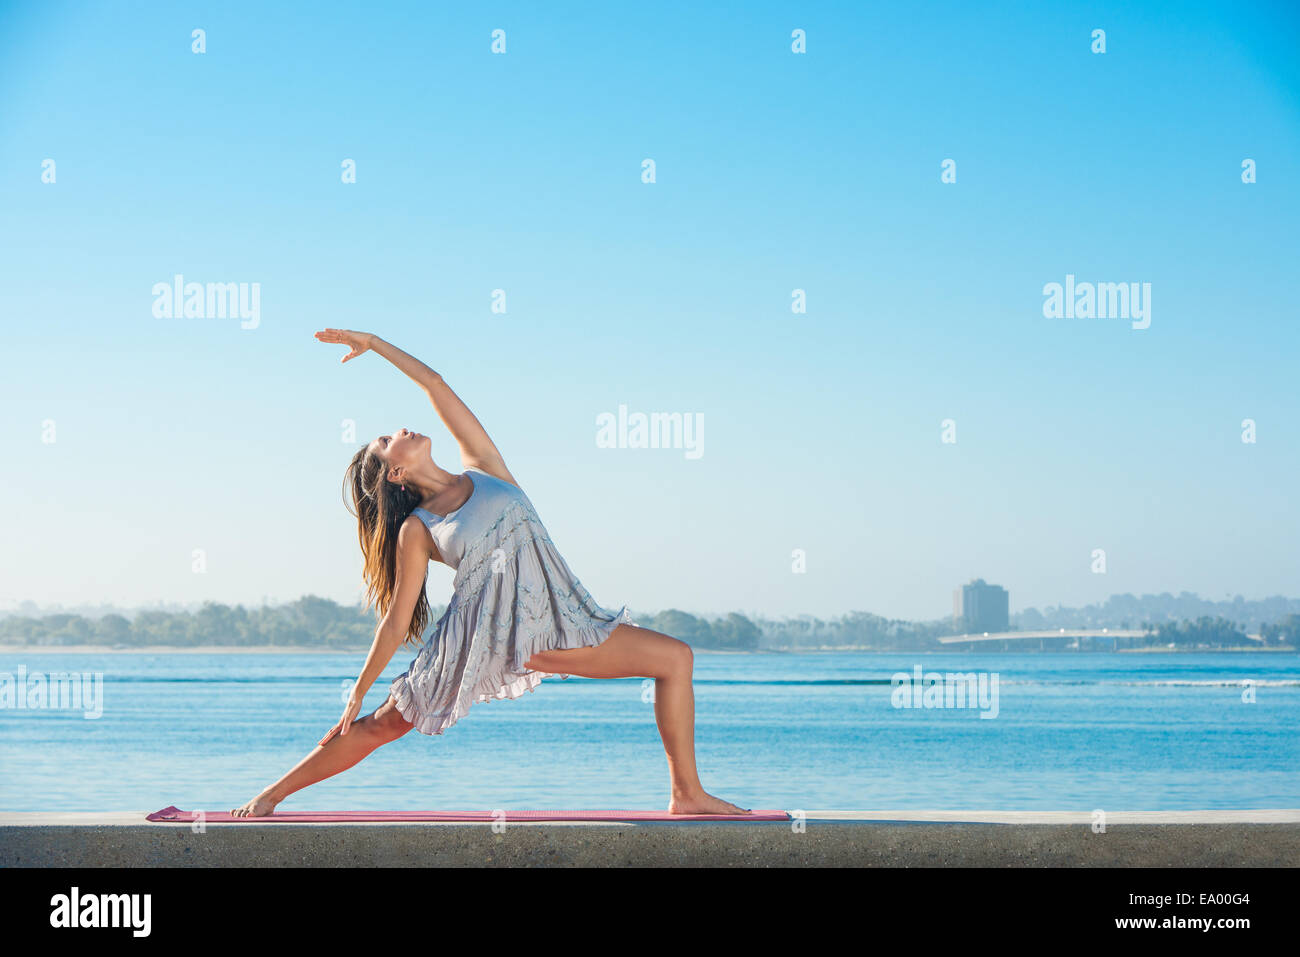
x: 337, y: 754
x: 634, y: 652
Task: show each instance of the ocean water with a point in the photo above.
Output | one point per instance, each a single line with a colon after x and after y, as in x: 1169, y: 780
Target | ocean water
x: 796, y: 731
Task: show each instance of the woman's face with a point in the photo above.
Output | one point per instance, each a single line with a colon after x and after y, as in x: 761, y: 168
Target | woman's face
x: 401, y: 449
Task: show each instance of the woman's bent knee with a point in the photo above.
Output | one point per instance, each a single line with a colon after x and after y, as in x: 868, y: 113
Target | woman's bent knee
x: 684, y: 658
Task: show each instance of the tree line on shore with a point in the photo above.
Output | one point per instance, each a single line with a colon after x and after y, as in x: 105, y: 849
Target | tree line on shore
x: 1209, y: 631
x: 321, y: 623
x: 1134, y: 611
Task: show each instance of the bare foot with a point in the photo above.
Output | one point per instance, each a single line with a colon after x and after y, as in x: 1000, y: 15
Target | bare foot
x: 260, y: 806
x: 703, y: 803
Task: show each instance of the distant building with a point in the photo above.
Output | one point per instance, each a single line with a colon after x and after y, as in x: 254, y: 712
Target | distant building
x: 984, y: 607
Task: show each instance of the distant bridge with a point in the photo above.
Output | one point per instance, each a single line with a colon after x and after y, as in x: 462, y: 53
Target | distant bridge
x: 1054, y: 633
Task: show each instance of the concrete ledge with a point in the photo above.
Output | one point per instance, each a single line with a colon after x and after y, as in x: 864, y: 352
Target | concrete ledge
x: 1253, y: 838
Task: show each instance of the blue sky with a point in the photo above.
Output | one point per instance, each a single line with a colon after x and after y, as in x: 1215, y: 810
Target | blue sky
x: 774, y: 171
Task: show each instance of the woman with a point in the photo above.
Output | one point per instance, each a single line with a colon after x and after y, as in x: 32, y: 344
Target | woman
x: 517, y: 612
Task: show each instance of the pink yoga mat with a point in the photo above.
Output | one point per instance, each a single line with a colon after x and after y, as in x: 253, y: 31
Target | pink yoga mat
x: 311, y: 817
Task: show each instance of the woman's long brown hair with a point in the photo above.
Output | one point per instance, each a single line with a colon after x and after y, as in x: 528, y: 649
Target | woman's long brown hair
x: 381, y: 507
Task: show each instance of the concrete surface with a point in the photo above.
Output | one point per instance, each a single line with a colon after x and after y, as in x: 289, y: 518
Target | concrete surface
x: 1250, y: 838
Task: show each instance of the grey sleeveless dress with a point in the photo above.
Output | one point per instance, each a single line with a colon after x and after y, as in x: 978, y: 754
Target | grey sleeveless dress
x: 513, y: 596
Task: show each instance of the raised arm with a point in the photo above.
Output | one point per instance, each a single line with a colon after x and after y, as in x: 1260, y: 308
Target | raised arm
x: 476, y: 448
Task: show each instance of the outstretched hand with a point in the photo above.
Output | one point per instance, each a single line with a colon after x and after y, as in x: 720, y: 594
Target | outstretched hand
x: 358, y: 342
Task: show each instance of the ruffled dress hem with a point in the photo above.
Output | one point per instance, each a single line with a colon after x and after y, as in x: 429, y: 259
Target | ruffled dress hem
x: 508, y: 682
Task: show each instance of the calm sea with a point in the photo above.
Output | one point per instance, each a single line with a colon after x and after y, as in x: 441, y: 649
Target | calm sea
x: 809, y: 731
